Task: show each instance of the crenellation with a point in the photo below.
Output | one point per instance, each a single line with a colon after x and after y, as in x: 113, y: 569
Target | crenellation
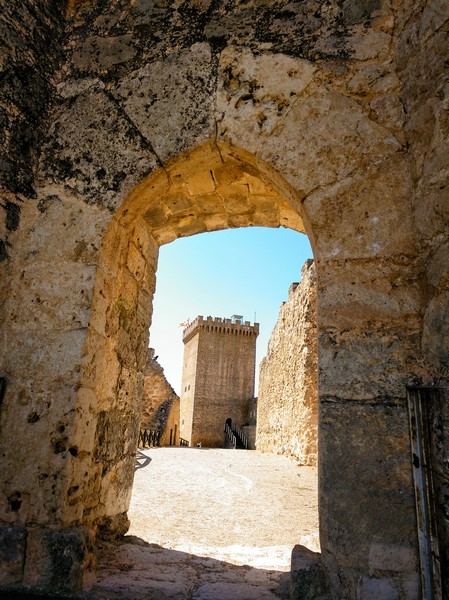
x: 219, y: 325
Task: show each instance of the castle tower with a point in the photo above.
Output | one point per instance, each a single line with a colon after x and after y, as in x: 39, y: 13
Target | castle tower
x: 218, y: 377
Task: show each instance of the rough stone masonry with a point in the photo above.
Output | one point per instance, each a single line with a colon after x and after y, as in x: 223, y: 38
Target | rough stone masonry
x: 287, y: 407
x: 126, y: 125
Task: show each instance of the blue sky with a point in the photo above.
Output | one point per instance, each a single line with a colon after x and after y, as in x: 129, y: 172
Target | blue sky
x: 235, y: 271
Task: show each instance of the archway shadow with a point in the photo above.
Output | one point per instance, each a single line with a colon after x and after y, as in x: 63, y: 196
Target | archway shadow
x: 134, y: 568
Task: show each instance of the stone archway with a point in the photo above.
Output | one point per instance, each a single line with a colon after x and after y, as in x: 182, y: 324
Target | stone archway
x: 212, y: 187
x: 347, y: 106
x: 216, y: 186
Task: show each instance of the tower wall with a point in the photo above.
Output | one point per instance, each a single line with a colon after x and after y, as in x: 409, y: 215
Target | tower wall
x: 188, y: 386
x: 218, y: 377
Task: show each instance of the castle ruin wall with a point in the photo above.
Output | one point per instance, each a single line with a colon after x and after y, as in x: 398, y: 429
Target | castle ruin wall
x: 160, y: 403
x: 128, y: 125
x: 287, y: 406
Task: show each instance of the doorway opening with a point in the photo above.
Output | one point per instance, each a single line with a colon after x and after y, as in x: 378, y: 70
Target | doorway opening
x: 212, y: 188
x: 248, y: 271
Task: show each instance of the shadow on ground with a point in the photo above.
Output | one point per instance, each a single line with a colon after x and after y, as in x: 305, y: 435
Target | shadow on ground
x: 134, y: 569
x: 142, y: 460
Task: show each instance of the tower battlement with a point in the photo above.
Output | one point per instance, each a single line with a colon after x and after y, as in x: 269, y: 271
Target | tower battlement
x: 220, y: 325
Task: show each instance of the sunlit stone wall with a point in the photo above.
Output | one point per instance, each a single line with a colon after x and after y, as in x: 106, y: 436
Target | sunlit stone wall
x: 287, y: 407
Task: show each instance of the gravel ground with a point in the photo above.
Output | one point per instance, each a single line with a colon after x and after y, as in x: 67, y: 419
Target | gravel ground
x: 211, y: 524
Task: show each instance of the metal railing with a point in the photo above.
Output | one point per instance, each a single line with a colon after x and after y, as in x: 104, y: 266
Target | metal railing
x: 149, y: 438
x: 183, y: 442
x: 230, y: 436
x: 241, y: 435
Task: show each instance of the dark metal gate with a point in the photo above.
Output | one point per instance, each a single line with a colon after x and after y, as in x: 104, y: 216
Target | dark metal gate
x: 429, y: 432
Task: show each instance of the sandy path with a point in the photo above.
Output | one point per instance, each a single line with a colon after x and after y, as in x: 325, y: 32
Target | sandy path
x: 218, y: 524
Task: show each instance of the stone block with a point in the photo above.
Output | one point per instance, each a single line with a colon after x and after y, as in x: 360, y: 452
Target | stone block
x: 372, y: 45
x: 308, y: 580
x: 384, y: 351
x: 324, y: 138
x: 379, y: 589
x: 12, y: 553
x: 61, y: 228
x: 54, y: 356
x: 367, y: 502
x: 57, y: 560
x: 87, y: 150
x: 360, y: 293
x: 391, y: 557
x: 201, y: 183
x: 255, y: 90
x: 135, y: 263
x: 377, y: 199
x: 51, y: 296
x: 170, y: 101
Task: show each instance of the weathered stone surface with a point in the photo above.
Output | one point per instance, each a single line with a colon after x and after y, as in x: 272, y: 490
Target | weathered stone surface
x: 308, y: 579
x: 183, y: 85
x: 13, y: 541
x: 381, y: 463
x: 326, y: 137
x: 94, y: 150
x: 27, y: 64
x: 287, y: 407
x: 350, y: 135
x: 57, y: 560
x: 263, y: 86
x: 160, y: 403
x: 421, y: 50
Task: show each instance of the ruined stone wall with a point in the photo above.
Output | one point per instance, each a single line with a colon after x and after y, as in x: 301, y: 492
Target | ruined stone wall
x: 422, y: 50
x: 171, y: 119
x: 32, y: 33
x: 287, y: 407
x: 221, y: 378
x: 160, y: 403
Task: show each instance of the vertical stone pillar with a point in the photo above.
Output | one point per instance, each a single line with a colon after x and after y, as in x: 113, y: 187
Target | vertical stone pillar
x: 366, y: 495
x: 47, y: 313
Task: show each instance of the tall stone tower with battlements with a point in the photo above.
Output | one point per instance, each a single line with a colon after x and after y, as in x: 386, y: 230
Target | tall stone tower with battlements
x: 218, y: 377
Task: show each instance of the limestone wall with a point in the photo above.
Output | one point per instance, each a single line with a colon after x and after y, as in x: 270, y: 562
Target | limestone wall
x: 171, y: 119
x: 422, y: 51
x: 287, y: 407
x: 160, y: 403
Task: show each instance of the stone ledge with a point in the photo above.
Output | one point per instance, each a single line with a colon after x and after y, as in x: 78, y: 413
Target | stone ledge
x: 308, y: 580
x: 40, y: 561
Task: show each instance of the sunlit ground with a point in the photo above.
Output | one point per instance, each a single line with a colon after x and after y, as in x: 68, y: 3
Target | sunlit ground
x: 242, y: 507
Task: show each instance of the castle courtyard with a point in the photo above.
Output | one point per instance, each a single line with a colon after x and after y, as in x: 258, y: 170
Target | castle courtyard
x: 211, y: 524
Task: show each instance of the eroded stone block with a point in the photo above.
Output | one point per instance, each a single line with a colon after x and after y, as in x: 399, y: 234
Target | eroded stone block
x: 56, y: 560
x: 12, y: 553
x: 308, y: 578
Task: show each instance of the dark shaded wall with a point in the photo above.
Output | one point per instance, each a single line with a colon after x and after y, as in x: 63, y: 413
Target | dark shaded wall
x: 31, y: 33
